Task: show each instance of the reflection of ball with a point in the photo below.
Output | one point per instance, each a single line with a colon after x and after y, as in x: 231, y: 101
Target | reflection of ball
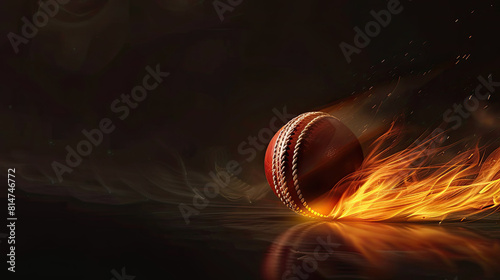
x: 307, y: 157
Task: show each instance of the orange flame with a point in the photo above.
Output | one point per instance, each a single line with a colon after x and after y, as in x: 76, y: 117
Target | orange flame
x: 415, y: 183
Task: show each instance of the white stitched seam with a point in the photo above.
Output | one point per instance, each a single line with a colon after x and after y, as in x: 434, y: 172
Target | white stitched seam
x: 302, y: 135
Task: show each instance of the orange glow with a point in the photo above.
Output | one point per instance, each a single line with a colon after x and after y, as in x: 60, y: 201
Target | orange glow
x: 381, y: 251
x: 420, y: 182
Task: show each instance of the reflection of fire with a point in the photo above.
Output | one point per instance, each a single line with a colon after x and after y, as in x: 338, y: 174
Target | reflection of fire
x: 381, y: 251
x: 412, y: 185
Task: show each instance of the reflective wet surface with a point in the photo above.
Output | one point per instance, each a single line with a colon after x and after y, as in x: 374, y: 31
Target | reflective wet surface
x: 382, y: 251
x: 233, y: 242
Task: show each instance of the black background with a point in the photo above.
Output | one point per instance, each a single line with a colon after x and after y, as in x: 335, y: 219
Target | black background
x: 225, y: 79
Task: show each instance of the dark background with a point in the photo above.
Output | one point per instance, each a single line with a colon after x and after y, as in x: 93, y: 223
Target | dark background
x: 120, y: 207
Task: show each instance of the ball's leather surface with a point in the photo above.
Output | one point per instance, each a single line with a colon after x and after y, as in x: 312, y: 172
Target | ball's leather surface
x: 307, y: 157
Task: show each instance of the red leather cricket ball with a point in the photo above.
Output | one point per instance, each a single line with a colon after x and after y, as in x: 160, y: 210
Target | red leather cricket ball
x: 307, y: 157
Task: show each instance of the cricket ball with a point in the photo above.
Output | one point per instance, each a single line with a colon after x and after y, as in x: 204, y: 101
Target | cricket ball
x: 306, y: 159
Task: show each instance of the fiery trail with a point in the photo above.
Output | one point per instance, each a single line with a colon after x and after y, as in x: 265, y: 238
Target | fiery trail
x: 417, y: 183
